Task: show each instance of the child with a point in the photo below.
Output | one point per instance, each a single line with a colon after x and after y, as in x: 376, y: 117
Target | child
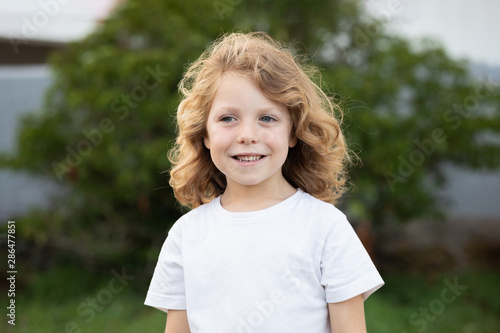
x: 260, y: 158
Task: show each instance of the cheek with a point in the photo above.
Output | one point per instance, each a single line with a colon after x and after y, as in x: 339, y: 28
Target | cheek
x: 278, y: 139
x: 219, y: 139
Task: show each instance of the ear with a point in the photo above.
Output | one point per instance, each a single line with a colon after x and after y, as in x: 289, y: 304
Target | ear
x: 206, y: 141
x: 293, y: 140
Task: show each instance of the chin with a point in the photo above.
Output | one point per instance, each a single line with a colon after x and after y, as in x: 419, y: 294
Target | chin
x: 247, y: 182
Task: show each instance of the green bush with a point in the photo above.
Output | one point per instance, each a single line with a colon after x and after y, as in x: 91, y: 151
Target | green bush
x: 108, y: 119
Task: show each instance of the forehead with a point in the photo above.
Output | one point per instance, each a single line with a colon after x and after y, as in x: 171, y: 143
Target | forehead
x: 238, y: 90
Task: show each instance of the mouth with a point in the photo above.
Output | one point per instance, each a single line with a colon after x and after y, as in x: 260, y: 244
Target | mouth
x: 248, y: 158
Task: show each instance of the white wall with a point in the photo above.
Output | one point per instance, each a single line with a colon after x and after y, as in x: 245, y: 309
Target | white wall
x: 21, y: 91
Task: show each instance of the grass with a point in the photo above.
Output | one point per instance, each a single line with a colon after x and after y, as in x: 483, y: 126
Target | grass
x: 67, y: 300
x: 411, y: 304
x: 58, y: 302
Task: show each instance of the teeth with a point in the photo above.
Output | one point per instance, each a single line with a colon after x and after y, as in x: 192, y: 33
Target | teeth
x: 248, y: 158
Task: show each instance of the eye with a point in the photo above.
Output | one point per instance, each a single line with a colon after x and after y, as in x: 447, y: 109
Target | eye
x: 227, y: 119
x: 267, y: 119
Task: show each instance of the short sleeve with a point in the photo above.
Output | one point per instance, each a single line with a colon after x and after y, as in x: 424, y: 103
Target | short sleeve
x: 167, y: 290
x: 346, y: 267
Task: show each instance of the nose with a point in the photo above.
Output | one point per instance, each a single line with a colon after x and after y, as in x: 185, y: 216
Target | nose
x: 248, y: 133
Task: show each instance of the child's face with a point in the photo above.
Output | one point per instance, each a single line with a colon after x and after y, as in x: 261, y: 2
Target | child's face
x: 247, y: 133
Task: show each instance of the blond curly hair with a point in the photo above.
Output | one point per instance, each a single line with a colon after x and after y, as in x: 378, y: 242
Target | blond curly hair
x: 316, y: 164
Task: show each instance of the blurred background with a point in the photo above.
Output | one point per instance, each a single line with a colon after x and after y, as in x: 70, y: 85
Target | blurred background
x: 88, y: 94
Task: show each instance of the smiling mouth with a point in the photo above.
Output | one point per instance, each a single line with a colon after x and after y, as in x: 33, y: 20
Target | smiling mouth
x: 248, y: 158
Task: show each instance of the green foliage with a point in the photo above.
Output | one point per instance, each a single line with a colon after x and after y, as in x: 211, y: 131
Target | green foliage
x: 108, y: 119
x: 412, y: 111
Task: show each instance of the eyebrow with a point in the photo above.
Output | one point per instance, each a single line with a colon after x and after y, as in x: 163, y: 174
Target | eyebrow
x: 264, y: 109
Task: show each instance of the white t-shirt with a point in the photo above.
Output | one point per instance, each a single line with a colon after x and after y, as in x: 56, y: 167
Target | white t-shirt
x: 272, y: 270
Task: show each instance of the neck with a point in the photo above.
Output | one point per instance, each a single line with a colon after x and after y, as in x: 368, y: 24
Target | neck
x: 245, y: 198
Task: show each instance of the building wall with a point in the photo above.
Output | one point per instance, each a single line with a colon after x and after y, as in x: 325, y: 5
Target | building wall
x: 12, y: 53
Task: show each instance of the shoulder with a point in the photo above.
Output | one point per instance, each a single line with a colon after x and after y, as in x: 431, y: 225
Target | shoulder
x: 316, y: 208
x: 196, y: 218
x: 200, y: 211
